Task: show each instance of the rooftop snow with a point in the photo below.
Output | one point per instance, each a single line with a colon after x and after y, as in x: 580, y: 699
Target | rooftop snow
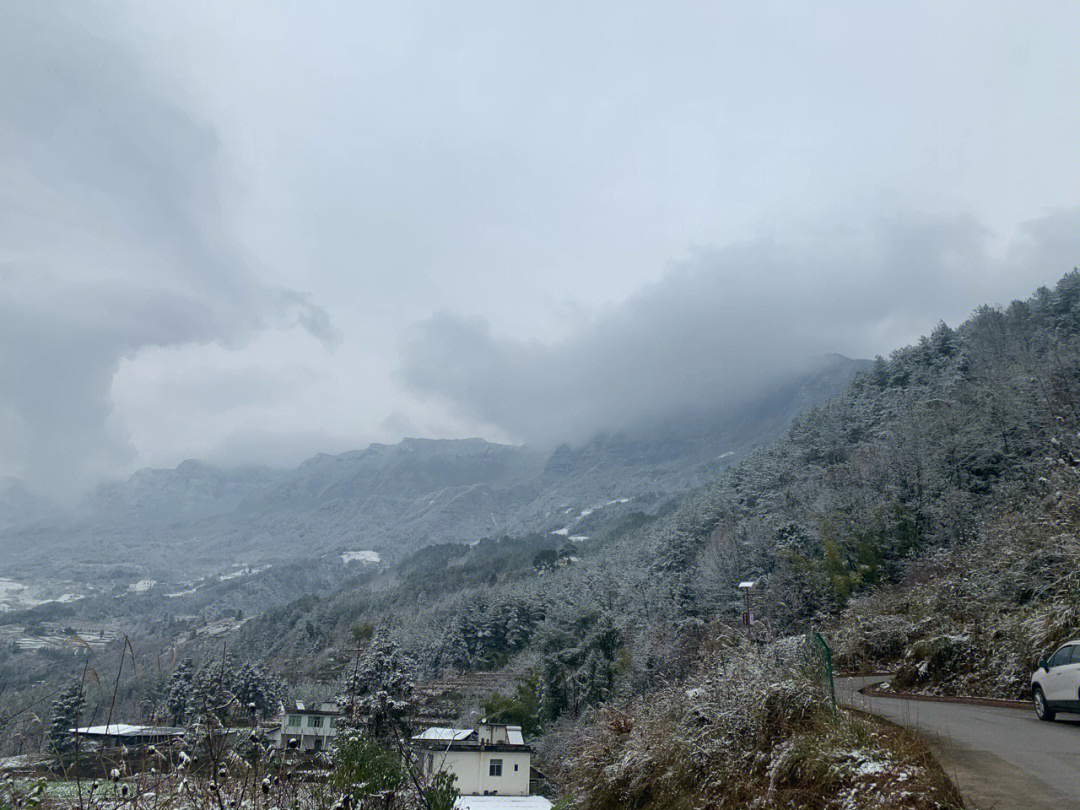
x: 127, y: 730
x: 441, y: 733
x: 361, y: 556
x: 322, y: 708
x: 501, y: 803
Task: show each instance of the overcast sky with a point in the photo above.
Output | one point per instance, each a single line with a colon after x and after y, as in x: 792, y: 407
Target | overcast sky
x: 249, y: 232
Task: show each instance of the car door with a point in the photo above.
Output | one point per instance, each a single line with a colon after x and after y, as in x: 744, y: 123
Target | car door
x: 1058, y: 680
x: 1070, y: 680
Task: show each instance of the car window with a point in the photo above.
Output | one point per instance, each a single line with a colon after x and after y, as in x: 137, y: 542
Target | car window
x: 1074, y: 656
x: 1062, y: 656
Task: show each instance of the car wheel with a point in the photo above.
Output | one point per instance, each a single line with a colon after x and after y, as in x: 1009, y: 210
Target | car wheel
x: 1042, y: 708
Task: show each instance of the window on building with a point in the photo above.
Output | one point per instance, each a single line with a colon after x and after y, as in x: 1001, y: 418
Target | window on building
x: 315, y: 721
x: 318, y: 743
x: 333, y: 722
x: 495, y: 767
x: 294, y: 719
x: 431, y: 763
x: 515, y: 766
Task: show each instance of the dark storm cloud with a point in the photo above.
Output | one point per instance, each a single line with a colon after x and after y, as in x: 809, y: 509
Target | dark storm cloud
x: 112, y: 240
x: 722, y: 328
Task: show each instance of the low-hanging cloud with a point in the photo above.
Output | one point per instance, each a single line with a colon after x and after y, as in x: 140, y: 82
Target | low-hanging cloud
x: 724, y: 327
x: 111, y: 226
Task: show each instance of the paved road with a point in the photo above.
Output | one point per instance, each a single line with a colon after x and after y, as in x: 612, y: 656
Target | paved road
x: 1006, y: 759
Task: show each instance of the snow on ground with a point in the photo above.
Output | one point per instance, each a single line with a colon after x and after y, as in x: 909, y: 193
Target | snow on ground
x: 867, y: 763
x: 142, y: 585
x: 243, y: 571
x: 220, y: 628
x: 95, y: 637
x: 13, y: 595
x: 23, y: 762
x: 178, y: 594
x: 17, y: 596
x: 501, y: 803
x: 367, y: 556
x: 584, y: 513
x: 727, y: 454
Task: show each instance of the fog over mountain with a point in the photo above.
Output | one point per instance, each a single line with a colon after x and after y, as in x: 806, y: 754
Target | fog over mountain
x: 171, y: 525
x: 251, y: 243
x: 722, y: 329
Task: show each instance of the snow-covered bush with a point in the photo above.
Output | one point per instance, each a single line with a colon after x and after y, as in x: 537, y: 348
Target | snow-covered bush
x: 868, y: 641
x: 752, y: 728
x: 935, y: 660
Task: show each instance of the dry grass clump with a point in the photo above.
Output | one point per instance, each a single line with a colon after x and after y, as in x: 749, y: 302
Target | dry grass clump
x: 753, y: 728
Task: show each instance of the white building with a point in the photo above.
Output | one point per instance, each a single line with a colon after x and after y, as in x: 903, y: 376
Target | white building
x: 492, y: 760
x: 313, y: 727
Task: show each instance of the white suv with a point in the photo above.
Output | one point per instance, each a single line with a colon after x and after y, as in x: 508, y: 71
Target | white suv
x: 1055, y: 686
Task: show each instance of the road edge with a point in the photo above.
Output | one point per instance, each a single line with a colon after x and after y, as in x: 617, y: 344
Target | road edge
x: 873, y: 691
x: 914, y: 735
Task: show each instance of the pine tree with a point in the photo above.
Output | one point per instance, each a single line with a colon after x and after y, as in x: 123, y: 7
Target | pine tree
x: 178, y: 697
x: 553, y: 697
x: 379, y: 694
x: 213, y: 691
x: 66, y: 710
x: 256, y: 692
x: 879, y: 373
x: 453, y: 651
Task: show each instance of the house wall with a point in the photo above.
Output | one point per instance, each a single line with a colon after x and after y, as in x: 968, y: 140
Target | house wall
x: 463, y: 764
x: 512, y: 782
x: 489, y: 733
x: 472, y: 769
x: 305, y: 732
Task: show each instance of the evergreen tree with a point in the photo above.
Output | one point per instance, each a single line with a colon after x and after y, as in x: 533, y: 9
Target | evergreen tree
x: 212, y: 689
x: 879, y: 372
x: 454, y: 650
x: 379, y: 694
x: 66, y: 710
x: 256, y: 692
x: 553, y: 698
x: 178, y: 696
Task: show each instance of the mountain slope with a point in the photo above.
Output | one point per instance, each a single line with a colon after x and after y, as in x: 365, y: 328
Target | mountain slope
x: 392, y: 499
